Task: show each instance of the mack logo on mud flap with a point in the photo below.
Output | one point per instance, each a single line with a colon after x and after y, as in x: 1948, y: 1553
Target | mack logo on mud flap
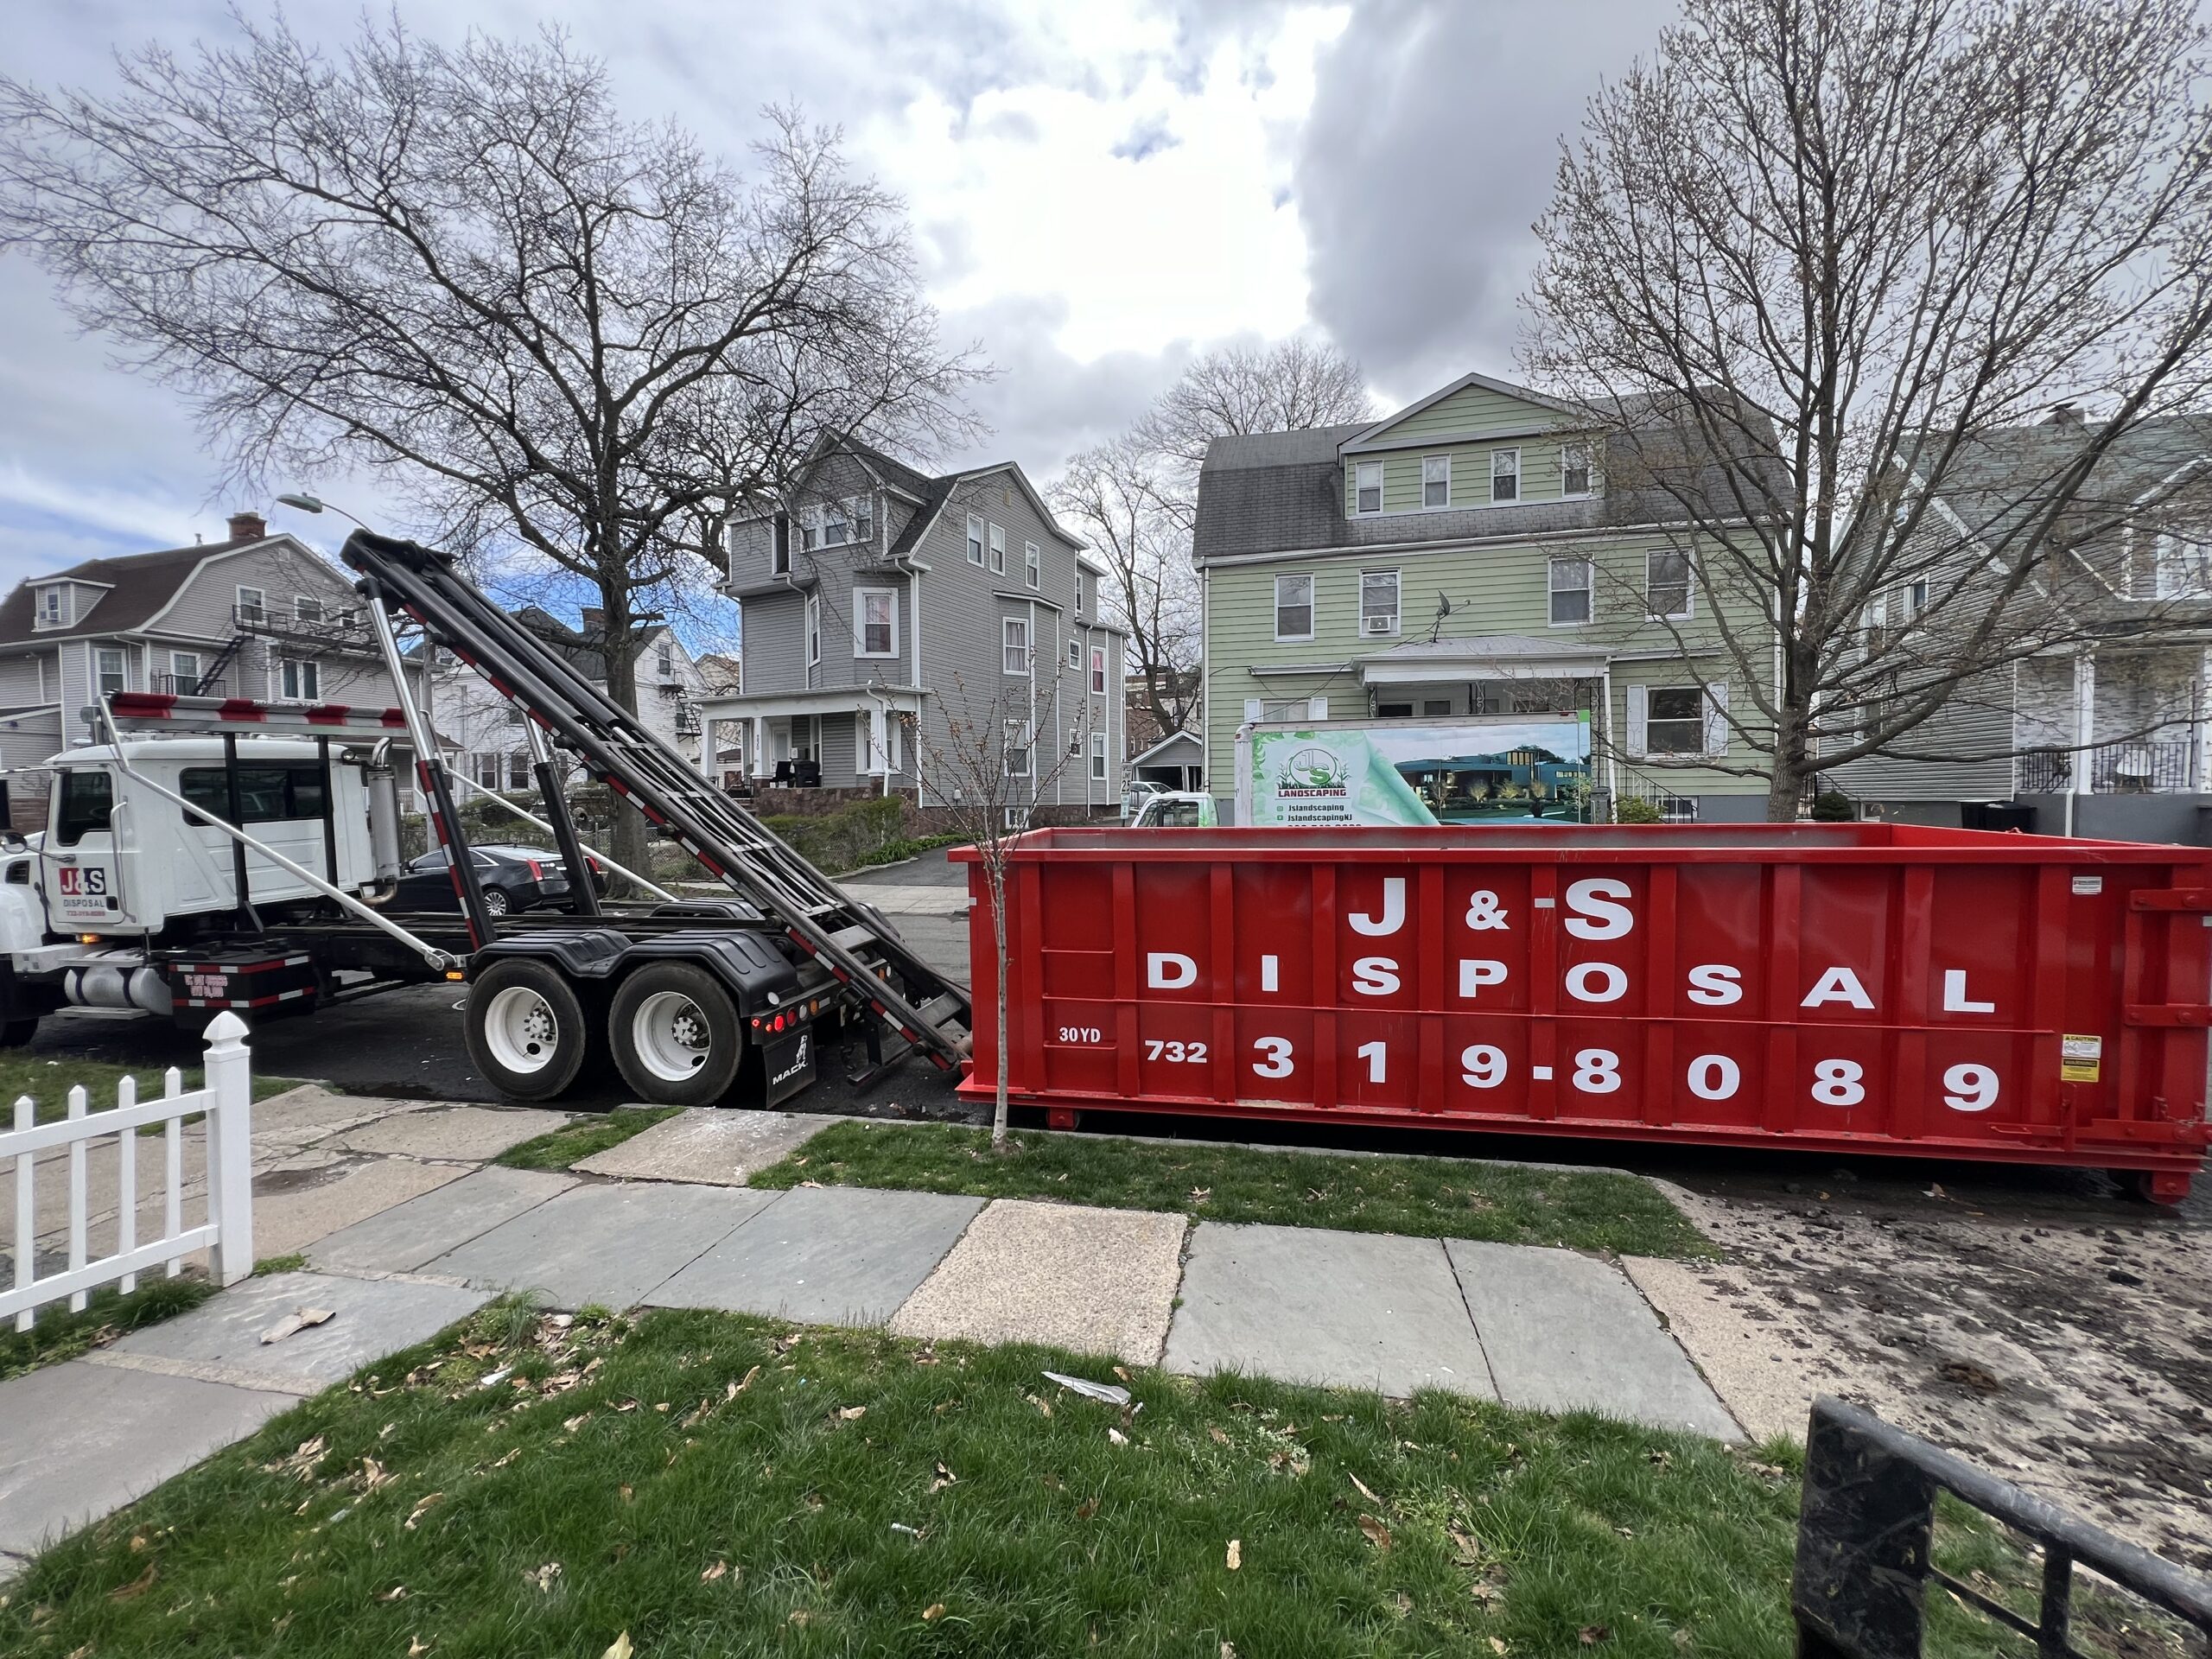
x: 799, y: 1061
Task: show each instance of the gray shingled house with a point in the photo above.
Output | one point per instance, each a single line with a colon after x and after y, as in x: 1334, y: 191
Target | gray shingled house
x: 883, y: 605
x: 254, y: 616
x: 2111, y: 736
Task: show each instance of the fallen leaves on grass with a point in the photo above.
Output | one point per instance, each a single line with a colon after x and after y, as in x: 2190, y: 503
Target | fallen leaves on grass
x: 1236, y: 1553
x: 1464, y: 1550
x: 741, y: 1384
x: 1086, y: 1509
x: 416, y: 1647
x: 944, y: 1478
x: 1366, y: 1490
x: 851, y: 1413
x: 619, y: 1648
x: 398, y: 1592
x: 933, y: 1612
x: 542, y: 1577
x: 374, y: 1474
x: 137, y: 1586
x: 713, y: 1571
x: 512, y: 1452
x: 1042, y: 1404
x: 1117, y: 1437
x: 1378, y: 1534
x: 1214, y: 1433
x: 1590, y: 1635
x: 421, y: 1510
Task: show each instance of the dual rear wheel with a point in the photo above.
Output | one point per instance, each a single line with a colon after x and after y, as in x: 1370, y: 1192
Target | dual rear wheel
x: 670, y: 1028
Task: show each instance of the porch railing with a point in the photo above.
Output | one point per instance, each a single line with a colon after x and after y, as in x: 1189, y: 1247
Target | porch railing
x: 2134, y: 768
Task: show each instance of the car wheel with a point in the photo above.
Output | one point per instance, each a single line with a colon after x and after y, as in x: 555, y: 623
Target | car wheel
x: 676, y: 1035
x: 527, y: 1029
x: 497, y: 902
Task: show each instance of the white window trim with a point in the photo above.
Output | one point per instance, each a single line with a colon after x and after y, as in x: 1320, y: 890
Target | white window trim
x: 1496, y: 456
x: 118, y: 651
x: 321, y: 611
x: 1313, y: 611
x: 998, y: 549
x: 1099, y: 666
x: 1007, y: 625
x: 1098, y: 757
x: 1425, y: 502
x: 1015, y: 737
x: 276, y: 667
x: 1075, y: 653
x: 1689, y: 588
x: 975, y: 540
x: 176, y: 657
x: 814, y: 630
x: 1033, y: 566
x: 1380, y: 480
x: 1397, y: 606
x: 1590, y: 466
x: 1713, y: 704
x: 260, y: 599
x: 860, y: 596
x: 65, y: 609
x: 1589, y: 585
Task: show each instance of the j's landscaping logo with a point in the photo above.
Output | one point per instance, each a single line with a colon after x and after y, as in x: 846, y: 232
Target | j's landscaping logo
x: 1311, y: 773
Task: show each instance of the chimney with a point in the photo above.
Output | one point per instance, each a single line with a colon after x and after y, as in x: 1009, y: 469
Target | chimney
x: 2066, y: 414
x: 594, y: 621
x: 248, y: 527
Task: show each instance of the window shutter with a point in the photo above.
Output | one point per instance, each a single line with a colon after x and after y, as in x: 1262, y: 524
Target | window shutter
x: 1317, y: 707
x: 1716, y: 720
x: 1638, y: 703
x: 1253, y: 711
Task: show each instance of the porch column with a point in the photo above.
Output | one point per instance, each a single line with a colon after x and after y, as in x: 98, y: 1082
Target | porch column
x: 2085, y: 730
x: 2201, y: 698
x: 760, y: 756
x: 879, y: 745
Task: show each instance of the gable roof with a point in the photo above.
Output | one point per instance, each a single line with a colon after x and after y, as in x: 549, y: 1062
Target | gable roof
x: 140, y: 588
x: 931, y: 494
x: 1483, y: 382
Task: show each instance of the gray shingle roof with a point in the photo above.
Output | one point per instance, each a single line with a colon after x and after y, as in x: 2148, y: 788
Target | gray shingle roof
x: 138, y: 585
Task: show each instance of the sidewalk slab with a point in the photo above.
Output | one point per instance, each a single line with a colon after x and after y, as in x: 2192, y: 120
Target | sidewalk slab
x: 720, y: 1147
x: 1099, y: 1282
x: 221, y: 1339
x: 1567, y: 1332
x: 1344, y: 1309
x: 1751, y: 1362
x: 300, y: 1117
x: 291, y: 1213
x: 826, y: 1255
x: 470, y: 1135
x: 403, y: 1238
x: 78, y: 1440
x: 609, y: 1244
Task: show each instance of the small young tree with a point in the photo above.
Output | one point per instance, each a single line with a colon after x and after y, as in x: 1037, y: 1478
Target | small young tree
x: 995, y: 763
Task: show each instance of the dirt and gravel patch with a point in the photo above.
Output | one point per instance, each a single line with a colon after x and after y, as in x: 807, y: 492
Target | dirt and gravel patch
x: 2062, y: 1338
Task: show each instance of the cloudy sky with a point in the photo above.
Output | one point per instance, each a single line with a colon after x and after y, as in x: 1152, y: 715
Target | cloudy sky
x: 1100, y: 189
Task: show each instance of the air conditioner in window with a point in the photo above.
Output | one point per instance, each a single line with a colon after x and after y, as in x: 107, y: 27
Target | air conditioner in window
x: 1379, y: 624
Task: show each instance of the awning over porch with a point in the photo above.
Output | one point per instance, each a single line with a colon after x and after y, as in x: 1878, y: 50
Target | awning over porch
x: 1485, y: 656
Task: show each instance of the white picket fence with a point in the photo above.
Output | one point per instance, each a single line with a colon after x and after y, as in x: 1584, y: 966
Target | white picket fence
x: 226, y: 1098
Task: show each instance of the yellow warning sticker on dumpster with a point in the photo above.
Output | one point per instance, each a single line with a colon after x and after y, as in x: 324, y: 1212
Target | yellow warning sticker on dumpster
x: 2079, y: 1058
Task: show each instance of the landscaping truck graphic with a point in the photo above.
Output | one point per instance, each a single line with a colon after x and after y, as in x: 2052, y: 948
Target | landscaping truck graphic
x: 1466, y: 772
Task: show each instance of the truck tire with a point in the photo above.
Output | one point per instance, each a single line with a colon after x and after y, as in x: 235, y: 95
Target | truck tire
x: 676, y: 1035
x: 16, y: 1033
x: 528, y: 1032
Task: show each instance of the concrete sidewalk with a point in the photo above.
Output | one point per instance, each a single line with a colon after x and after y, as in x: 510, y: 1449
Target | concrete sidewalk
x: 1545, y: 1329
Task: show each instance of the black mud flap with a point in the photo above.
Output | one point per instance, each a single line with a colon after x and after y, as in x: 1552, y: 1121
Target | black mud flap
x: 789, y: 1065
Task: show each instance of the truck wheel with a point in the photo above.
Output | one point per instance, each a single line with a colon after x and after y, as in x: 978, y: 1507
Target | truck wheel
x: 527, y: 1030
x: 16, y: 1033
x: 676, y: 1035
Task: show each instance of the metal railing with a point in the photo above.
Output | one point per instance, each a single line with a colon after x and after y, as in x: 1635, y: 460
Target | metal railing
x: 1630, y: 784
x: 1866, y: 1542
x: 188, y: 685
x: 2134, y: 768
x: 334, y: 630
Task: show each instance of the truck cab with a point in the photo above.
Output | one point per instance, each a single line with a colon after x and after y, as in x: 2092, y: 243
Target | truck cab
x: 1176, y: 809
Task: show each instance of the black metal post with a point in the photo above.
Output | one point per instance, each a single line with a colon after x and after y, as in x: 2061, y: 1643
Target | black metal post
x: 583, y: 892
x: 329, y: 814
x: 234, y: 806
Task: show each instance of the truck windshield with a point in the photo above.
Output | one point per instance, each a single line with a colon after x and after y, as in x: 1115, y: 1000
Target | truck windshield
x: 86, y: 799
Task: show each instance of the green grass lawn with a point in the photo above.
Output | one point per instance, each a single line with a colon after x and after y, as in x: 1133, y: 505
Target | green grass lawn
x: 710, y: 1484
x: 59, y: 1334
x: 48, y: 1082
x: 1442, y: 1197
x: 558, y: 1148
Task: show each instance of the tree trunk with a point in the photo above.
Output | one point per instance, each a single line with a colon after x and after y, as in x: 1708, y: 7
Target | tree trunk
x: 1786, y: 783
x: 632, y: 846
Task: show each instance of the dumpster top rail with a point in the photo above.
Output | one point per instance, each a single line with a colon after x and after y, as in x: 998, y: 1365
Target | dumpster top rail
x: 1758, y: 842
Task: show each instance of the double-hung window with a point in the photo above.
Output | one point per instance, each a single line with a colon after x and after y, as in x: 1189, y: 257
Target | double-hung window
x: 1033, y: 565
x: 1574, y: 470
x: 1378, y: 602
x: 1017, y: 749
x: 1505, y: 474
x: 1078, y: 593
x: 1436, y: 481
x: 53, y: 607
x: 1098, y: 670
x: 809, y: 518
x: 875, y: 622
x: 1367, y: 486
x: 1295, y: 608
x: 975, y: 540
x: 1098, y: 757
x: 813, y: 630
x: 1666, y: 583
x: 1570, y: 592
x: 305, y: 608
x: 298, y: 681
x: 1673, y: 720
x: 998, y: 551
x: 1014, y: 644
x: 112, y: 669
x: 184, y: 671
x: 1075, y: 652
x: 253, y: 604
x: 836, y: 524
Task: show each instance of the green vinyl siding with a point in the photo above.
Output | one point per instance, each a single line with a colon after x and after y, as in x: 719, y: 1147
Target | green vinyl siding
x: 1471, y: 412
x: 1470, y: 474
x: 1500, y: 587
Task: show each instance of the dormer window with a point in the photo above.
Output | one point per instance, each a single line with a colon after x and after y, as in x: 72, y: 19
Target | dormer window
x: 1505, y: 474
x: 1367, y: 486
x: 1574, y: 470
x: 848, y: 522
x: 53, y: 608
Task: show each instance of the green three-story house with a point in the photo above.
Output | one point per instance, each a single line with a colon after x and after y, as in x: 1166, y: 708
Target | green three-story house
x: 1465, y: 559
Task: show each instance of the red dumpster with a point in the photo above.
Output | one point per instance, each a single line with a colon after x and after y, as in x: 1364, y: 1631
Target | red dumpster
x: 1847, y: 988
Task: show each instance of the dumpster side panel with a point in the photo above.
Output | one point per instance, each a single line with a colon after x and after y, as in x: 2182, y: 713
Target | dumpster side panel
x: 1877, y: 989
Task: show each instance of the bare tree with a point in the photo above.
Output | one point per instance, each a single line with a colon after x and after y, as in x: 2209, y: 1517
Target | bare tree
x: 1135, y: 498
x: 1816, y: 262
x: 986, y: 776
x: 561, y: 333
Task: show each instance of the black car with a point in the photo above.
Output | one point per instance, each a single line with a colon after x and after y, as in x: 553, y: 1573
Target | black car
x: 514, y: 879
